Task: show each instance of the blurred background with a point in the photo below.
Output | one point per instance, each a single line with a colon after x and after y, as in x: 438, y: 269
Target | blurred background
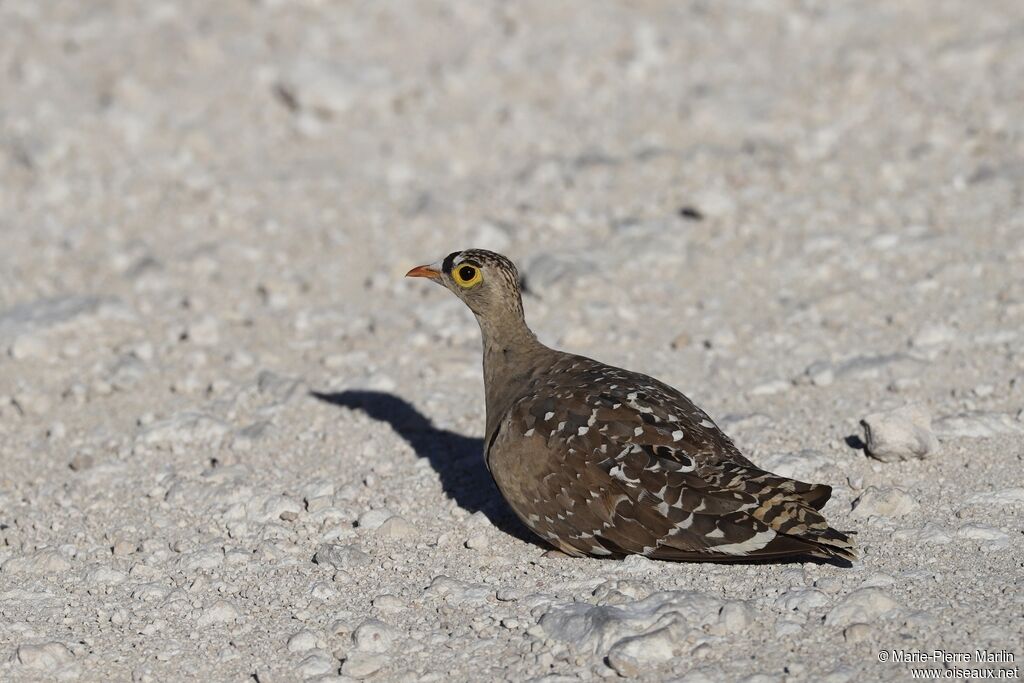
x: 798, y: 212
x: 809, y: 180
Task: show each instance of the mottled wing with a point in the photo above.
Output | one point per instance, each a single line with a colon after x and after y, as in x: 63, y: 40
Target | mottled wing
x: 603, y: 461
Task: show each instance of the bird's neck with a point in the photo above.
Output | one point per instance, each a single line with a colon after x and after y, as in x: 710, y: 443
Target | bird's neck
x: 511, y: 353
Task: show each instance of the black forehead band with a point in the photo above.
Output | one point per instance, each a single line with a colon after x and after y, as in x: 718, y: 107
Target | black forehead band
x: 449, y: 262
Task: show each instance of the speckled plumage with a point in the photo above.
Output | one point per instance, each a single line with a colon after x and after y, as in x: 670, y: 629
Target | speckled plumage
x: 602, y: 461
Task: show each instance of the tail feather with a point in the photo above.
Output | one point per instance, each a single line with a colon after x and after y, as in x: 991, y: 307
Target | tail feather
x: 791, y: 508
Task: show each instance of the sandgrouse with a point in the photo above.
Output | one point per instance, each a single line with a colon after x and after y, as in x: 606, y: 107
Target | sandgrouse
x: 602, y: 461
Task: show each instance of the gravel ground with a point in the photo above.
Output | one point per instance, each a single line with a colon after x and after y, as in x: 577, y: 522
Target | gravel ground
x: 236, y: 443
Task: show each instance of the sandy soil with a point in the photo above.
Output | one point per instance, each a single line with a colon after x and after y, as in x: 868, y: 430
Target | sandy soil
x: 236, y: 443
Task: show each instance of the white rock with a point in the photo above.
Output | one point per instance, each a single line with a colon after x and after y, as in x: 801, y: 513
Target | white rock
x: 760, y: 678
x: 375, y: 636
x: 459, y: 592
x: 801, y: 600
x: 1001, y: 498
x: 389, y: 603
x: 204, y: 331
x: 45, y: 313
x: 978, y: 425
x: 857, y: 633
x: 398, y: 528
x: 933, y: 335
x: 981, y: 532
x: 884, y: 502
x: 477, y: 541
x: 372, y: 519
x: 317, y: 663
x: 185, y: 428
x: 303, y: 641
x: 929, y: 534
x: 323, y: 88
x: 595, y: 628
x: 50, y: 657
x: 862, y: 606
x: 735, y: 616
x: 278, y: 507
x: 43, y: 561
x: 901, y: 434
x: 106, y: 575
x: 776, y: 386
x: 206, y: 558
x: 29, y: 346
x: 361, y: 665
x: 340, y: 556
x: 634, y: 655
x: 220, y: 612
x: 701, y: 676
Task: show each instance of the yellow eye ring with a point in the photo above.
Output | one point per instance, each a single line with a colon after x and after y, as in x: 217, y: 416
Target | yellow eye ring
x: 466, y: 276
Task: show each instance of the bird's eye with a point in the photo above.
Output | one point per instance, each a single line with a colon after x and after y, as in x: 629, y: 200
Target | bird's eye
x: 466, y: 276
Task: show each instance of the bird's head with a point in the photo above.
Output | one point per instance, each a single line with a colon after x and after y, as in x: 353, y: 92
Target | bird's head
x: 485, y: 281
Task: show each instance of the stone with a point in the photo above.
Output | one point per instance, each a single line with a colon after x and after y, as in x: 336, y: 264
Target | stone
x: 1001, y: 498
x: 389, y: 603
x: 933, y: 335
x: 398, y: 528
x: 372, y: 519
x: 184, y: 429
x: 106, y: 575
x: 801, y: 600
x: 634, y: 655
x: 43, y: 561
x: 596, y: 628
x: 317, y: 663
x: 302, y: 641
x: 735, y: 616
x: 459, y: 592
x: 374, y: 635
x: 901, y: 434
x: 886, y: 501
x: 978, y: 425
x: 929, y: 534
x: 820, y: 374
x: 340, y: 556
x: 857, y: 633
x: 862, y: 606
x: 477, y: 541
x: 322, y: 88
x: 42, y: 314
x: 51, y: 658
x: 361, y: 665
x: 204, y: 332
x: 981, y: 532
x: 220, y: 612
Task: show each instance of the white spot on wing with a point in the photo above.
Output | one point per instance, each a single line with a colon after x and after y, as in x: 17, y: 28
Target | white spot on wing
x: 755, y: 542
x: 677, y: 435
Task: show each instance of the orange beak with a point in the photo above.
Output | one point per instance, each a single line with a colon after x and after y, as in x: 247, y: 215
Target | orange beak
x: 425, y: 271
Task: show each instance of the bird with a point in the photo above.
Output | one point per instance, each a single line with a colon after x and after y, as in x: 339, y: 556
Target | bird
x: 604, y: 462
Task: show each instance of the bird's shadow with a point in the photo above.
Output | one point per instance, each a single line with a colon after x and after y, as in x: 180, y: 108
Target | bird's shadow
x: 457, y: 459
